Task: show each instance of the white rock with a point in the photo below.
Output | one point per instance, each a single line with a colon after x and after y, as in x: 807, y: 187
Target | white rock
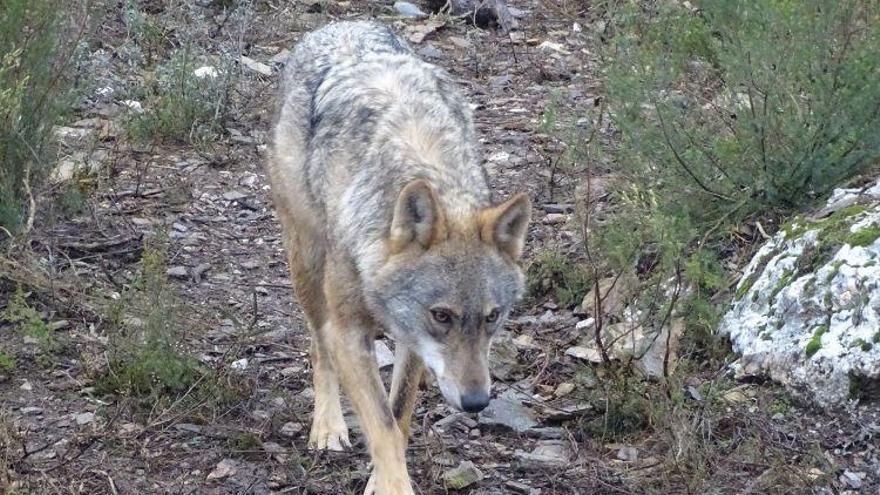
x: 133, y: 105
x: 205, y: 71
x: 239, y: 364
x: 255, y: 66
x: 84, y: 418
x: 224, y: 469
x: 384, y: 356
x: 291, y: 429
x: 585, y: 324
x: 812, y: 328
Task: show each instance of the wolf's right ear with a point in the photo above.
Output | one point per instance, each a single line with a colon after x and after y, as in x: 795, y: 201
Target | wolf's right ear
x: 418, y: 217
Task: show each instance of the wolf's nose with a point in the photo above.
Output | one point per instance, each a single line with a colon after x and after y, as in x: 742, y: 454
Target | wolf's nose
x: 474, y: 401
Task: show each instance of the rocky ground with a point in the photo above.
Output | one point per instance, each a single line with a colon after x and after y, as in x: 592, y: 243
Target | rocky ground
x: 556, y: 426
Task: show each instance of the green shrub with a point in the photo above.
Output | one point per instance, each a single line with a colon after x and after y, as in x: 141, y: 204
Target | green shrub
x: 144, y: 349
x: 148, y: 362
x: 180, y: 106
x: 729, y: 112
x: 32, y: 95
x: 28, y: 321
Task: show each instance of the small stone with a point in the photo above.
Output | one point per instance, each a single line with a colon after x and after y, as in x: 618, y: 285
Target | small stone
x: 384, y: 356
x: 778, y: 417
x: 177, y: 272
x: 628, y: 454
x: 585, y: 324
x: 695, y: 393
x: 459, y: 42
x: 585, y: 353
x: 255, y: 66
x: 273, y: 448
x: 554, y: 218
x: 224, y: 469
x: 26, y: 386
x: 517, y: 487
x: 291, y: 429
x: 430, y: 52
x: 524, y: 341
x: 734, y: 396
x: 558, y: 208
x: 205, y: 71
x: 563, y: 389
x: 234, y: 195
x: 28, y: 340
x: 508, y: 411
x: 852, y: 479
x: 464, y: 475
x: 410, y: 10
x: 188, y: 428
x: 31, y: 411
x: 84, y: 418
x: 291, y: 371
x: 127, y: 429
x: 251, y: 264
x: 239, y: 364
x: 547, y: 453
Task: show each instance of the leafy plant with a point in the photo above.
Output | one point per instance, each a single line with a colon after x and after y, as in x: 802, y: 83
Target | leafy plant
x: 729, y: 112
x: 33, y: 93
x: 181, y: 106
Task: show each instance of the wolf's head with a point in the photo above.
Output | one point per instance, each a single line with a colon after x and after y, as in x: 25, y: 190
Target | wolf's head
x: 448, y: 284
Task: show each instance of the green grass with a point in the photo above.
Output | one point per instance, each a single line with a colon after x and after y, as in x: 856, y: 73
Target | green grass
x: 864, y: 237
x: 147, y: 358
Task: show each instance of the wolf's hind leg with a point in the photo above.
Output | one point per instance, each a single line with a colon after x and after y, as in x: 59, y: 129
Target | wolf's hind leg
x: 329, y: 431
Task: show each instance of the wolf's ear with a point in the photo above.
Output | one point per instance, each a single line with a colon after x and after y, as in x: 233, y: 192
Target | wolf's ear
x: 505, y: 225
x: 418, y: 217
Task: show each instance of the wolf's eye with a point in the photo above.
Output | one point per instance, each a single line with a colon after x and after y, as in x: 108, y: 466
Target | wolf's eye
x: 441, y: 315
x: 492, y: 317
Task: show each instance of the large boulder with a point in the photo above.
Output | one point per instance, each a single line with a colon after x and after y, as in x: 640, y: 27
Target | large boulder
x: 807, y: 310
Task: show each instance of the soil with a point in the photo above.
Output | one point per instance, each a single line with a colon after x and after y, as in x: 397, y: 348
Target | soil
x: 210, y: 207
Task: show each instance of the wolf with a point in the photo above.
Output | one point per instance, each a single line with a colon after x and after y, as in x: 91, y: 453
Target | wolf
x: 390, y: 227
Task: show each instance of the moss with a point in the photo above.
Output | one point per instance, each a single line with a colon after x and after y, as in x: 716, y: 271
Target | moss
x: 864, y: 237
x: 835, y: 269
x: 862, y: 344
x: 876, y: 337
x: 783, y: 281
x: 815, y: 343
x: 749, y: 281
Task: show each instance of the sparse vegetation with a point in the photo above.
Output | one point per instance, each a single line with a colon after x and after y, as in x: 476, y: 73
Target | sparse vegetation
x: 147, y: 361
x: 33, y: 93
x: 181, y: 105
x: 713, y: 116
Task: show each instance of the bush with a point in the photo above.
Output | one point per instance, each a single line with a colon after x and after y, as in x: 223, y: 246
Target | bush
x: 731, y: 112
x: 32, y: 95
x: 181, y: 106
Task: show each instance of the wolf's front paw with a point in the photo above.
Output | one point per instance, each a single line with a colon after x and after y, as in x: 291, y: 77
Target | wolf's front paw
x: 329, y: 435
x: 388, y: 486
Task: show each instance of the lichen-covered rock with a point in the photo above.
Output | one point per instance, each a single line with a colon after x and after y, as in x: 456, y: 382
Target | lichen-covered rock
x: 807, y: 309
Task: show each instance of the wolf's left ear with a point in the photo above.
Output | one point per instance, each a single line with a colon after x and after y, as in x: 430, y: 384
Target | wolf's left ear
x: 418, y: 217
x: 505, y: 225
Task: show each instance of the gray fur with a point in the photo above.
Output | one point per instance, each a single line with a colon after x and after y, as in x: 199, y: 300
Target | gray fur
x: 361, y: 117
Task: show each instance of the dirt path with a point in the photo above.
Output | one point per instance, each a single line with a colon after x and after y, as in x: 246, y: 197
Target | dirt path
x: 226, y: 265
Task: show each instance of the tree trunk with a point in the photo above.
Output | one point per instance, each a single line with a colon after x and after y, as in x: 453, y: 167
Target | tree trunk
x: 483, y: 13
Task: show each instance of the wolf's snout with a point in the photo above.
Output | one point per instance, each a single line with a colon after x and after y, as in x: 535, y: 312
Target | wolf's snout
x: 473, y: 402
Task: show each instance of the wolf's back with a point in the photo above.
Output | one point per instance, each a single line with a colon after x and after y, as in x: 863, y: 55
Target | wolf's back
x: 334, y: 44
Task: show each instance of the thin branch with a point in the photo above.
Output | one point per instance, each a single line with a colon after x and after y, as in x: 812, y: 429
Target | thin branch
x: 680, y: 160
